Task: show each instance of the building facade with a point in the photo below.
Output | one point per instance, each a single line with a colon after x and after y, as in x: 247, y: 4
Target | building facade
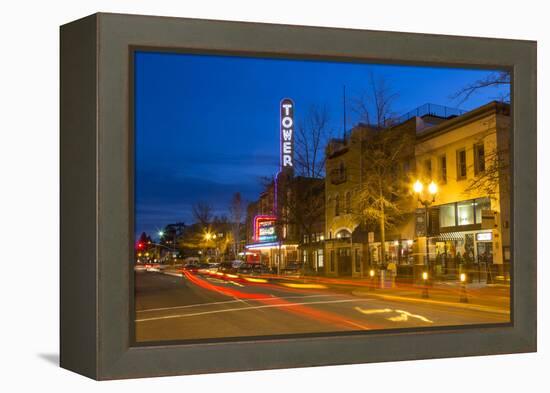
x: 468, y: 158
x: 465, y: 155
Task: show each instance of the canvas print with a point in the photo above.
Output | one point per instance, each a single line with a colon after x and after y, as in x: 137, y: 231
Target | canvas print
x: 283, y: 197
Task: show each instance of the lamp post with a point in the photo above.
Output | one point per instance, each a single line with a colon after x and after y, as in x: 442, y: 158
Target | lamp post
x: 418, y: 189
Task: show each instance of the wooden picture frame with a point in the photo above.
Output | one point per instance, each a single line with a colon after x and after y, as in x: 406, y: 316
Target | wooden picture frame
x: 97, y: 195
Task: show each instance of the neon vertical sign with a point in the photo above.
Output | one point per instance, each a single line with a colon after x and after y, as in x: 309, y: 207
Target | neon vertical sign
x: 287, y: 134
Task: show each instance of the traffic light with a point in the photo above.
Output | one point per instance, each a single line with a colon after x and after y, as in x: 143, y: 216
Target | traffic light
x: 140, y: 246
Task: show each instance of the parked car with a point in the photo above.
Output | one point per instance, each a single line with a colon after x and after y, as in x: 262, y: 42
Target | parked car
x: 236, y: 263
x: 213, y: 267
x: 292, y: 269
x: 253, y: 269
x: 227, y: 268
x: 203, y: 268
x: 191, y: 267
x: 191, y: 260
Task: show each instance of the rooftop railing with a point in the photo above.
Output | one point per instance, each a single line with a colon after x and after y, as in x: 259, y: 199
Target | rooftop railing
x: 429, y: 109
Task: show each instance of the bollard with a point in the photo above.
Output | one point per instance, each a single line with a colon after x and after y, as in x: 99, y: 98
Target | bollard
x: 425, y: 293
x: 463, y: 293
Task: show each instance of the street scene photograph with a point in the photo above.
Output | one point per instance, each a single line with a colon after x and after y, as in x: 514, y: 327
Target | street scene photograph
x: 282, y: 197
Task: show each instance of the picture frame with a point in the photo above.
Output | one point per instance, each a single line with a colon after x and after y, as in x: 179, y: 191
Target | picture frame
x: 97, y: 163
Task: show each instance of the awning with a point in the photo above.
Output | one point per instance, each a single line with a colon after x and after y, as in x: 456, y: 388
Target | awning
x: 450, y: 236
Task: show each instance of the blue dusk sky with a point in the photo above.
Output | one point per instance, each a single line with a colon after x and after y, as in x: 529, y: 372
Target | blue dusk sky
x: 207, y: 126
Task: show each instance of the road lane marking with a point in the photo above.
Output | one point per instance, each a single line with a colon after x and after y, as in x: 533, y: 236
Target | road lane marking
x: 231, y: 301
x: 373, y: 311
x: 304, y: 286
x: 250, y: 308
x: 468, y: 306
x: 402, y: 317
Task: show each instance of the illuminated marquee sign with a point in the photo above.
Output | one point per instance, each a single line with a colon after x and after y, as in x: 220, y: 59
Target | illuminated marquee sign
x: 484, y: 237
x: 287, y: 134
x: 264, y: 228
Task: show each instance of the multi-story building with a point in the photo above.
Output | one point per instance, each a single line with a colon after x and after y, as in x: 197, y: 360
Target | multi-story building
x: 286, y: 224
x: 464, y: 154
x: 352, y: 243
x: 468, y: 158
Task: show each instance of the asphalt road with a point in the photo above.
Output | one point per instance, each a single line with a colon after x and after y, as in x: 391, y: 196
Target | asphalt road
x: 170, y: 307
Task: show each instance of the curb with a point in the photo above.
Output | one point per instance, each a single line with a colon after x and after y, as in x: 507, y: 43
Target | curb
x: 467, y: 306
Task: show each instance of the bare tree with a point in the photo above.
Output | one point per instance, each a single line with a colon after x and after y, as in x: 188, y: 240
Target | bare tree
x: 494, y: 176
x: 381, y: 198
x: 494, y: 79
x: 202, y: 212
x: 311, y: 137
x: 236, y: 211
x: 496, y: 171
x: 374, y: 105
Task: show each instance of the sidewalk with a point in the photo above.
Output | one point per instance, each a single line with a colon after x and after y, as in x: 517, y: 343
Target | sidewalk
x: 481, y: 297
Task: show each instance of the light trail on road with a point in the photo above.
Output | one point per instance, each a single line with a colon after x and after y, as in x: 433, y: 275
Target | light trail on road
x: 298, y: 308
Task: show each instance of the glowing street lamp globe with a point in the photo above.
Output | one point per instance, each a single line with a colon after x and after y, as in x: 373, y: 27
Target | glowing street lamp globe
x: 417, y: 187
x: 432, y: 188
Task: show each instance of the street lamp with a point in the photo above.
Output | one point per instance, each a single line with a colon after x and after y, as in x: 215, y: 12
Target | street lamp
x: 418, y: 189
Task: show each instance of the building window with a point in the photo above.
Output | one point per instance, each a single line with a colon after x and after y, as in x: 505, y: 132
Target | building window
x: 443, y: 169
x: 331, y: 261
x: 343, y: 234
x: 428, y: 168
x: 348, y: 202
x: 465, y: 212
x: 338, y: 175
x: 357, y: 260
x: 480, y: 205
x: 447, y: 217
x: 461, y: 164
x: 337, y: 205
x: 320, y: 261
x: 479, y: 158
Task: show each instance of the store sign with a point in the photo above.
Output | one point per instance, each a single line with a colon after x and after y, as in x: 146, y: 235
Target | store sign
x: 287, y: 133
x: 266, y: 231
x: 484, y: 237
x: 264, y: 228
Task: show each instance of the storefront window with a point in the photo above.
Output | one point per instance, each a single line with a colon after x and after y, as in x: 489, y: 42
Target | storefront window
x: 447, y: 215
x: 357, y: 261
x: 320, y: 261
x: 465, y: 212
x: 481, y: 204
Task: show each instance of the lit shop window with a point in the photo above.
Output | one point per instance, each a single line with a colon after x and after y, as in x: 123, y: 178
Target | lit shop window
x: 480, y: 205
x: 447, y: 216
x: 465, y: 211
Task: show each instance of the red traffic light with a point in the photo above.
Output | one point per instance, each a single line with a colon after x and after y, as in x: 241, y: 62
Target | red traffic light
x: 140, y: 245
